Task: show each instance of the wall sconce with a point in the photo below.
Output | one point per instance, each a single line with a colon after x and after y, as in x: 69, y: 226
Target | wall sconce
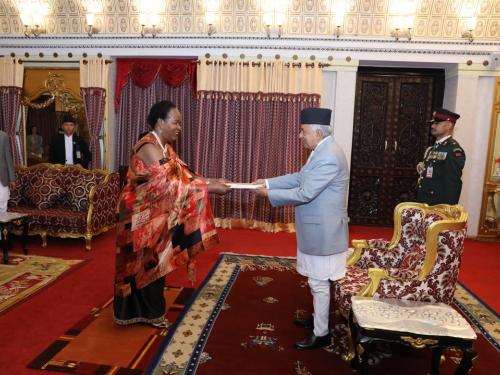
x: 210, y: 19
x: 211, y: 9
x: 90, y: 29
x: 409, y: 25
x: 149, y: 24
x: 93, y: 7
x: 339, y: 17
x: 270, y: 20
x: 275, y: 16
x: 403, y: 27
x: 471, y: 25
x: 32, y: 15
x: 153, y: 30
x: 397, y: 25
x: 149, y: 16
x: 403, y: 18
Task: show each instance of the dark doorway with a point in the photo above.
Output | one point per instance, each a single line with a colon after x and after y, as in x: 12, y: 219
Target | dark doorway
x: 390, y: 136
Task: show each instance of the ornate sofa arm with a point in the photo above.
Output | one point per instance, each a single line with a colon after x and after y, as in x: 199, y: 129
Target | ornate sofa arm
x: 16, y: 197
x: 359, y: 246
x: 389, y: 283
x: 376, y: 275
x: 103, y: 200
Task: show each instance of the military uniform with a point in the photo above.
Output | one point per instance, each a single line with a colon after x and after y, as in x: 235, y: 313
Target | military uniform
x: 441, y: 170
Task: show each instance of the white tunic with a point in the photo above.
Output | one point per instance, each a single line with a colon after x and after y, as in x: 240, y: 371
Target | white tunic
x: 329, y: 267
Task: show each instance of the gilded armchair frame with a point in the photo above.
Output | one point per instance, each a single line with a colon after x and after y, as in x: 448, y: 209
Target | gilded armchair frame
x: 455, y: 218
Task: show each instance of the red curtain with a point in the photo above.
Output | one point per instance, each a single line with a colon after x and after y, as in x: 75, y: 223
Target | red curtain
x: 243, y: 137
x: 143, y: 72
x: 134, y: 108
x: 94, y: 101
x: 10, y: 101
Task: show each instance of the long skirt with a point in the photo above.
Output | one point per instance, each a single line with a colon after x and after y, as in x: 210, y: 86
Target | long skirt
x: 146, y: 305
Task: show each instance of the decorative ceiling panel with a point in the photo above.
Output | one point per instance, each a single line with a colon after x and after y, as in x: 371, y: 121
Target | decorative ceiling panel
x: 433, y: 19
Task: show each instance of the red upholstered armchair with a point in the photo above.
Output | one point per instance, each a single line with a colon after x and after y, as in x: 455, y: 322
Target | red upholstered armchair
x: 66, y: 201
x: 420, y: 263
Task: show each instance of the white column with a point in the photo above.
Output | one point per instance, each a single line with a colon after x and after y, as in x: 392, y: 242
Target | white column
x: 470, y: 94
x: 111, y: 119
x: 343, y: 98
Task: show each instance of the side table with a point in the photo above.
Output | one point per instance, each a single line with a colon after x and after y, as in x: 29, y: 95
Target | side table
x: 7, y: 221
x: 436, y: 326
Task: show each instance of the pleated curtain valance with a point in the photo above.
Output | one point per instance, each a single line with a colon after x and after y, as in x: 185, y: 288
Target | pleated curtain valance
x: 259, y: 77
x: 94, y: 73
x: 143, y: 72
x: 11, y: 72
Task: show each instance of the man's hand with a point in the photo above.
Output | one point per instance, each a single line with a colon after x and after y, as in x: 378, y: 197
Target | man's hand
x: 261, y: 192
x: 260, y: 181
x: 420, y: 168
x: 12, y: 185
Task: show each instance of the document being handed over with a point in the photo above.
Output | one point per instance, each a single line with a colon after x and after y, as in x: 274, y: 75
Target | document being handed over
x: 234, y: 185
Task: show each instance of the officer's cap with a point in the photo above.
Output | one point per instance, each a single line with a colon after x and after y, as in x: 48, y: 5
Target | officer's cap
x: 68, y: 118
x: 317, y: 116
x: 441, y: 114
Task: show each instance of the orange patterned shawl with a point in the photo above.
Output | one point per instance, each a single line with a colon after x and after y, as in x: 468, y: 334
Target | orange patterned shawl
x: 164, y: 220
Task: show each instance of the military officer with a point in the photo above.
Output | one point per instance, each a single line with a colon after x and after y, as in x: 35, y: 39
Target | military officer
x: 441, y: 170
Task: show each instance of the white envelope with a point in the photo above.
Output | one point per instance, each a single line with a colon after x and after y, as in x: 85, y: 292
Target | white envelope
x: 244, y: 186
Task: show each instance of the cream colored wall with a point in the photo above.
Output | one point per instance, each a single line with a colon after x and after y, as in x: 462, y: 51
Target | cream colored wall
x: 469, y: 92
x: 111, y: 118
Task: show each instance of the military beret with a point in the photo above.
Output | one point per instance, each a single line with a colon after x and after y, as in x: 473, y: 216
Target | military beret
x: 441, y: 114
x: 317, y: 116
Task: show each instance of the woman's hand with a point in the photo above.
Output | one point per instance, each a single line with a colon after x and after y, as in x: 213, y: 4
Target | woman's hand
x: 217, y: 186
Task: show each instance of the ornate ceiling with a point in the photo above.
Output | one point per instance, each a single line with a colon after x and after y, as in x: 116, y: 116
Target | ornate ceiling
x: 434, y: 19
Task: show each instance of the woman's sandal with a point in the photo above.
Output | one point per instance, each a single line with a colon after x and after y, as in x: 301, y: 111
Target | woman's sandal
x: 161, y: 324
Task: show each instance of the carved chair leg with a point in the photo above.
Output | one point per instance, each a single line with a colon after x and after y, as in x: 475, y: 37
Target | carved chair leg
x: 436, y: 359
x: 351, y: 351
x: 88, y: 240
x: 468, y: 357
x: 44, y: 239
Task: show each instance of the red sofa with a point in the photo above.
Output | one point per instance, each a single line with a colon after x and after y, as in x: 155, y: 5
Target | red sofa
x: 66, y: 200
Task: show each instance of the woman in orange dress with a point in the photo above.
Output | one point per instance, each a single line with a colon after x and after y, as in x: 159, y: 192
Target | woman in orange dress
x: 164, y: 220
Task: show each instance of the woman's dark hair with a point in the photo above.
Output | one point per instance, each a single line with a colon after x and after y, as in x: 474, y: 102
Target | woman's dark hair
x: 159, y: 110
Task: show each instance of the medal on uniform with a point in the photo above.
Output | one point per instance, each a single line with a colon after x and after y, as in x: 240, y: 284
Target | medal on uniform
x: 428, y: 173
x: 78, y: 155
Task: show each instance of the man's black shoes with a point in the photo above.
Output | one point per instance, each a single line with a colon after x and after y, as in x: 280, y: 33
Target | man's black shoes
x: 314, y: 342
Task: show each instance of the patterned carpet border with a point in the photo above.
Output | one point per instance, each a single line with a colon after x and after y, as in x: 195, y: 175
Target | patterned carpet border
x: 182, y: 348
x: 26, y: 275
x: 479, y: 314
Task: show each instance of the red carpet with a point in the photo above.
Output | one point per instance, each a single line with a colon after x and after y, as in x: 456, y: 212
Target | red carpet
x: 241, y: 323
x: 96, y: 345
x: 29, y: 328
